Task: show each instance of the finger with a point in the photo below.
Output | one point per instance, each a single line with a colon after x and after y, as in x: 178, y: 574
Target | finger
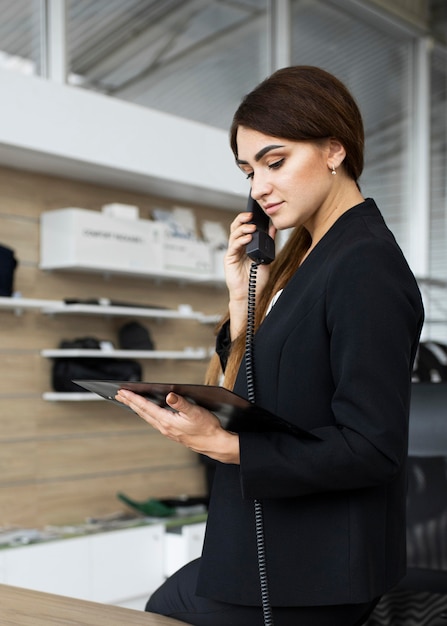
x: 137, y: 403
x: 180, y: 404
x: 241, y: 236
x: 174, y: 400
x: 123, y: 396
x: 242, y: 218
x: 238, y: 244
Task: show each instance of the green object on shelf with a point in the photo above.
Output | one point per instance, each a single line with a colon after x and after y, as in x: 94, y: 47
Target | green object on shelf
x: 150, y: 507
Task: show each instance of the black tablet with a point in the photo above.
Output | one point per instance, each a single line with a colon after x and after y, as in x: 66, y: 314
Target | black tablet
x: 234, y: 412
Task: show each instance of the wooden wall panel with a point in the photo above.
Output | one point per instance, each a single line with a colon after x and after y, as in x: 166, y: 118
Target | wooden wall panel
x: 18, y: 505
x: 106, y: 454
x: 62, y: 462
x: 17, y: 462
x: 18, y: 417
x: 80, y: 417
x: 24, y: 234
x: 75, y: 501
x: 21, y: 371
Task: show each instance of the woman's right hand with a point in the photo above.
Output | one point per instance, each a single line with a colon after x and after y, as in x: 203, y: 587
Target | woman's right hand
x: 237, y: 270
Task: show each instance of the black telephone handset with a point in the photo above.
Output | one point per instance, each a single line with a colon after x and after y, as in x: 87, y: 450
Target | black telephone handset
x: 261, y: 248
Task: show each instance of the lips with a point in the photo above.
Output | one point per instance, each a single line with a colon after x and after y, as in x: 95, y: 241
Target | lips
x: 272, y: 207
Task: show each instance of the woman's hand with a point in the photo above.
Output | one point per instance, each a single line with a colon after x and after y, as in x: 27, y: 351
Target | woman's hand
x: 189, y: 424
x: 237, y: 270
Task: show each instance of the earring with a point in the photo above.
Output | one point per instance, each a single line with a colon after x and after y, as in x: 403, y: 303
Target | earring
x: 333, y: 171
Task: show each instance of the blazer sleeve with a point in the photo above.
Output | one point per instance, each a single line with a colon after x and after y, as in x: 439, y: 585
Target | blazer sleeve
x: 373, y: 316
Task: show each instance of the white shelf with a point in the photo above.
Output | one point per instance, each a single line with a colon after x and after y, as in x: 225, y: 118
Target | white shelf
x: 59, y: 307
x: 187, y: 277
x: 70, y: 396
x: 190, y: 354
x: 196, y: 354
x: 19, y: 304
x: 119, y: 311
x: 183, y: 312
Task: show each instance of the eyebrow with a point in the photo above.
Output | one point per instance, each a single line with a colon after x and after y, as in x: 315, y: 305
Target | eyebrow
x: 261, y: 153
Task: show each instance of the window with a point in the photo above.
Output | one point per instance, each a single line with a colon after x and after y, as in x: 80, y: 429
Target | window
x: 20, y: 36
x: 375, y: 67
x: 192, y: 59
x: 436, y: 290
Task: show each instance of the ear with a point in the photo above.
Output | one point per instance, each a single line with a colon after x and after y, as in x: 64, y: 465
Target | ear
x: 336, y: 153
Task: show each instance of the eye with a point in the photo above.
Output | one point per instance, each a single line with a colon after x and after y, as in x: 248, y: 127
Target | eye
x: 276, y: 165
x: 249, y: 175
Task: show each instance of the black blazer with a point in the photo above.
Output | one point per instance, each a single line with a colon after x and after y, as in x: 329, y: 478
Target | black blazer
x: 334, y: 356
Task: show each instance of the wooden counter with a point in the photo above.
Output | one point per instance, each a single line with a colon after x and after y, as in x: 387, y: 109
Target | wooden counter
x: 24, y: 607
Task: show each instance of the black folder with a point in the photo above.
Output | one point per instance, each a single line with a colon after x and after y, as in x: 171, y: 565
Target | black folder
x: 235, y: 413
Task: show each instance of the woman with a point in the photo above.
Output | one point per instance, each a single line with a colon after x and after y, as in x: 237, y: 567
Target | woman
x: 339, y: 318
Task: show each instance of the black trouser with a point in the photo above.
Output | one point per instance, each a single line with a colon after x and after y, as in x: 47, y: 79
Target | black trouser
x: 176, y: 598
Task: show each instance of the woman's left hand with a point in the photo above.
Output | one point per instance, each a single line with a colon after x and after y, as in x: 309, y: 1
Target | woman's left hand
x: 189, y: 424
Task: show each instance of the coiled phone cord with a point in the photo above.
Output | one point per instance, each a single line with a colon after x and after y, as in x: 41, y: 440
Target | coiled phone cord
x: 259, y: 517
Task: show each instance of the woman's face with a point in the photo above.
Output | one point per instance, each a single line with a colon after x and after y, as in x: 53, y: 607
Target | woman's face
x: 291, y: 180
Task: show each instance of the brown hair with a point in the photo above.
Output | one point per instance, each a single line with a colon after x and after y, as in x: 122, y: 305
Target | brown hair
x: 296, y: 103
x: 304, y: 103
x: 283, y: 267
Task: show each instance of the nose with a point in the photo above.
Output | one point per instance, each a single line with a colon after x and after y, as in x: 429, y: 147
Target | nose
x: 260, y: 187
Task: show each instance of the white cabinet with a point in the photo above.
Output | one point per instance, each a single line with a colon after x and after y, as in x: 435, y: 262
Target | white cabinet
x: 121, y: 567
x: 111, y: 567
x: 126, y: 564
x: 57, y: 567
x: 182, y: 545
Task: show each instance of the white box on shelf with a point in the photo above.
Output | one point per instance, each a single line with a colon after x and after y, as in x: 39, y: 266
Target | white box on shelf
x: 121, y: 211
x: 74, y: 238
x: 187, y: 256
